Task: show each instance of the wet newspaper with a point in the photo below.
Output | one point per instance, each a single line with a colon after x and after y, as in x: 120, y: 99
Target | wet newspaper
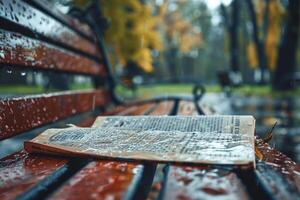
x: 188, y: 139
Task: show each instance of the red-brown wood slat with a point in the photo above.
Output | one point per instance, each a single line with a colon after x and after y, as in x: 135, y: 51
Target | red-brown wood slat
x: 21, y: 171
x: 72, y: 22
x: 203, y: 183
x: 16, y: 49
x: 278, y: 172
x: 163, y: 108
x: 27, y: 16
x: 21, y: 114
x: 106, y: 179
x: 187, y: 108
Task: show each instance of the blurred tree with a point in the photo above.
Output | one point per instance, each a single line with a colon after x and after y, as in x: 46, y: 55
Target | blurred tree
x: 286, y: 63
x: 232, y: 24
x: 180, y: 35
x: 260, y: 52
x: 132, y: 32
x: 266, y: 19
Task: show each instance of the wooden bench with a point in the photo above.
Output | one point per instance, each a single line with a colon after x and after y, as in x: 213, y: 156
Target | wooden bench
x: 35, y: 36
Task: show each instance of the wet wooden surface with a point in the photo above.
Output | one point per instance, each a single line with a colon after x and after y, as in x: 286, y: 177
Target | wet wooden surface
x: 187, y: 108
x: 20, y: 13
x: 116, y: 177
x: 20, y: 171
x: 204, y: 182
x: 163, y: 108
x: 16, y: 49
x: 24, y: 113
x: 278, y: 173
x: 69, y: 21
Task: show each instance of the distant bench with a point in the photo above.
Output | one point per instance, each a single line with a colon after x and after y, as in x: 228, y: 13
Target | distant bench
x: 36, y: 36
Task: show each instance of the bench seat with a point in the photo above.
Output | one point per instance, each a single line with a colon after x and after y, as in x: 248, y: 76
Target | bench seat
x: 35, y: 36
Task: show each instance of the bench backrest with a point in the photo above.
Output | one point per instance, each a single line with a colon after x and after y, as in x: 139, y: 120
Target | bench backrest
x: 36, y: 36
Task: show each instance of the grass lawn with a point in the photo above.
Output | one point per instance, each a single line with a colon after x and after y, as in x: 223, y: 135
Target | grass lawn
x: 155, y: 90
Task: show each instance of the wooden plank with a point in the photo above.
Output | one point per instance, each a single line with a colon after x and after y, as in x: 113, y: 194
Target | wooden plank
x: 163, y: 108
x: 203, y: 183
x: 20, y: 114
x: 106, y: 179
x: 278, y: 174
x: 20, y: 171
x: 21, y: 13
x: 22, y: 51
x: 72, y: 22
x: 187, y: 108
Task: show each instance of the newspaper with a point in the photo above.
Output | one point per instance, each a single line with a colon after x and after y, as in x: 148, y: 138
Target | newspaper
x: 188, y: 139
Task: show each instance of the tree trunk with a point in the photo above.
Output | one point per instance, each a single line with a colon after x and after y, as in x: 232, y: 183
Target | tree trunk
x: 286, y: 63
x: 258, y: 43
x: 234, y: 47
x: 231, y: 24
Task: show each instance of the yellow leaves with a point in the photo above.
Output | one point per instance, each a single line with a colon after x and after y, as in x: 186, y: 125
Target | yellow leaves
x: 133, y: 31
x: 144, y: 59
x: 178, y: 31
x: 189, y: 40
x: 252, y: 55
x: 275, y: 14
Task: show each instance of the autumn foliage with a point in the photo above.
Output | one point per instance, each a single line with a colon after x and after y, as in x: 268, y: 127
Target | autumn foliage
x: 269, y: 19
x: 138, y: 28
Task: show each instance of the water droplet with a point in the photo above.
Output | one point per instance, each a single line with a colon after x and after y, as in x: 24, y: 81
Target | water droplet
x: 23, y: 73
x: 9, y: 71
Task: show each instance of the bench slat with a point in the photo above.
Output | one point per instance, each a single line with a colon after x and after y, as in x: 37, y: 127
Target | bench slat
x: 22, y: 51
x: 116, y: 177
x: 203, y: 183
x: 36, y: 21
x: 21, y: 114
x: 20, y: 171
x: 72, y: 22
x: 163, y: 108
x: 187, y: 108
x: 278, y: 173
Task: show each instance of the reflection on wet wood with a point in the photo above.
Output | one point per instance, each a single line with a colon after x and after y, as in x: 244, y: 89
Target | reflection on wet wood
x: 27, y: 16
x: 16, y: 49
x: 203, y: 183
x: 20, y: 172
x: 279, y: 174
x: 66, y: 19
x: 21, y: 114
x: 99, y: 180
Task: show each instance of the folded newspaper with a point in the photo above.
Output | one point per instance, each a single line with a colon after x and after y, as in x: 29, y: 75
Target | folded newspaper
x: 188, y: 139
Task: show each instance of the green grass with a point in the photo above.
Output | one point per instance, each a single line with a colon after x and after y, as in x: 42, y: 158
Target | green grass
x: 25, y: 89
x: 156, y: 90
x: 20, y: 89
